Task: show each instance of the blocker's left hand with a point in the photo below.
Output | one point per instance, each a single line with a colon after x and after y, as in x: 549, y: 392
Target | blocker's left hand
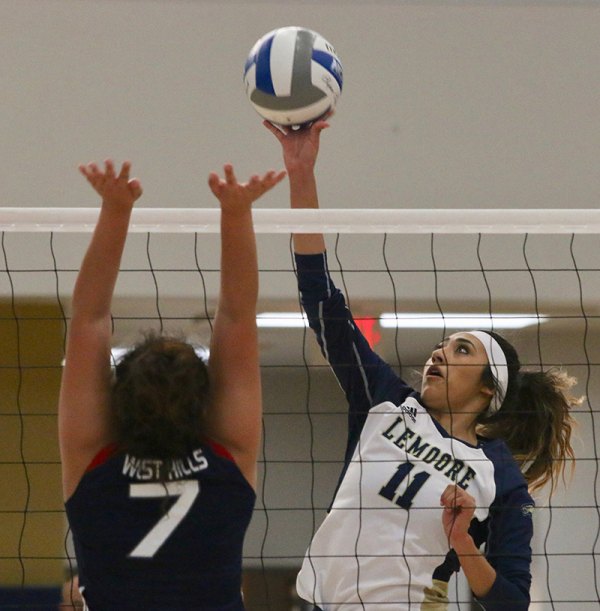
x: 116, y: 190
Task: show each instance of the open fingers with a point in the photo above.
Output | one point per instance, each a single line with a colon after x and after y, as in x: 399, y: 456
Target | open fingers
x: 230, y: 178
x: 214, y: 182
x: 319, y: 126
x: 90, y: 171
x: 262, y: 184
x: 109, y: 169
x: 94, y: 174
x: 124, y: 173
x: 108, y: 184
x: 279, y: 132
x: 136, y: 188
x: 255, y: 181
x: 272, y: 177
x: 229, y: 189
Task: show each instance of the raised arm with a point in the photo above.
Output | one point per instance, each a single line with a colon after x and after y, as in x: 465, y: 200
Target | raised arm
x: 84, y: 419
x: 234, y: 418
x: 300, y: 150
x: 365, y: 378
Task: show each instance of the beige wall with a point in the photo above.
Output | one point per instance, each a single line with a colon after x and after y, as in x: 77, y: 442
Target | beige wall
x: 31, y: 520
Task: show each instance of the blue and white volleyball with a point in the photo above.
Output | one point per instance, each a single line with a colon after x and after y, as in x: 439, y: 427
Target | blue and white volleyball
x: 293, y: 76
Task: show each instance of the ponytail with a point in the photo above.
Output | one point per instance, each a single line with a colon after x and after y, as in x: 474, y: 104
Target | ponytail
x: 535, y: 420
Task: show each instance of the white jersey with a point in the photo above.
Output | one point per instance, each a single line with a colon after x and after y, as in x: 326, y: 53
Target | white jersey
x: 382, y: 545
x: 381, y: 542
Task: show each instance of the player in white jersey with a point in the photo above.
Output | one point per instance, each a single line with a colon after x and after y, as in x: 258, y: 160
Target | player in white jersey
x: 429, y: 476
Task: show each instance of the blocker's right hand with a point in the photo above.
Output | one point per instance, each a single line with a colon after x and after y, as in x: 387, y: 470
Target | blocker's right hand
x: 115, y: 190
x: 238, y: 197
x: 300, y: 146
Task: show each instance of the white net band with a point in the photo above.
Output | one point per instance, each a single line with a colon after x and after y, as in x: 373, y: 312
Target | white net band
x: 340, y: 220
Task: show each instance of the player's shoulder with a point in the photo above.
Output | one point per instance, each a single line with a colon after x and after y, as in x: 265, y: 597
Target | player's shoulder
x: 494, y: 449
x: 507, y: 474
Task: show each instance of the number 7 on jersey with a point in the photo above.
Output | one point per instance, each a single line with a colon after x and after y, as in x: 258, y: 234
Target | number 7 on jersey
x: 186, y: 490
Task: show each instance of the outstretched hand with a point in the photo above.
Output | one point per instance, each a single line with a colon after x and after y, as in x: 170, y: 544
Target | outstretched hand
x: 235, y: 196
x: 118, y: 190
x: 459, y: 509
x: 300, y: 146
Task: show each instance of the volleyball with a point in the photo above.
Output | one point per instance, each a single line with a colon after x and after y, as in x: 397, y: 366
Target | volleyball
x: 293, y: 76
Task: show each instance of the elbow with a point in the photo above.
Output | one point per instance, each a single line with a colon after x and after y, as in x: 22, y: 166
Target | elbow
x: 505, y: 595
x: 522, y: 604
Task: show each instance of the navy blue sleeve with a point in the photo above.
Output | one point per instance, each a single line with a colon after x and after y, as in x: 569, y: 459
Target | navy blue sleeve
x: 365, y: 378
x: 508, y: 546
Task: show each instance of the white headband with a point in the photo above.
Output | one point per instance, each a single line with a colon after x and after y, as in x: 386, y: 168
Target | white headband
x: 497, y: 361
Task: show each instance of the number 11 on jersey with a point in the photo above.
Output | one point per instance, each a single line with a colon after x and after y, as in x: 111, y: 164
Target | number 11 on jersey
x: 390, y: 490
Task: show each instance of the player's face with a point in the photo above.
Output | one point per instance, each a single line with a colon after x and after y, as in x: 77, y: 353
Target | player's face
x: 452, y: 378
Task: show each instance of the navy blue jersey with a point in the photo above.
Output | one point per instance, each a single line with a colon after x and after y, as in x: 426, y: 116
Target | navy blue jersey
x: 382, y: 540
x: 158, y: 544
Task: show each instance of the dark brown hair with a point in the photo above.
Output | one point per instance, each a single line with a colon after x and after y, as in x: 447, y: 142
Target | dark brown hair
x: 534, y: 419
x: 159, y: 398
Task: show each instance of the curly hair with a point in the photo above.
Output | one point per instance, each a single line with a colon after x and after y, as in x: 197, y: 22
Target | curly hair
x: 159, y: 398
x: 534, y: 419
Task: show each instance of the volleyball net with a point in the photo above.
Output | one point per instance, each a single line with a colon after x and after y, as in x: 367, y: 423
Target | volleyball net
x: 410, y: 277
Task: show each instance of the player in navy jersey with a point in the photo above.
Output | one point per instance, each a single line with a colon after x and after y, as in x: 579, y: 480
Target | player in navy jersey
x: 159, y: 463
x: 429, y: 476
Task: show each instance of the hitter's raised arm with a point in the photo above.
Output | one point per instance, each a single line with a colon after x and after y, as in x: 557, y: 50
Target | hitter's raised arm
x: 300, y: 149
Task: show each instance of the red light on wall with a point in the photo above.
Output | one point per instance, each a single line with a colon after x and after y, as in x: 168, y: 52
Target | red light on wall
x: 368, y: 329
